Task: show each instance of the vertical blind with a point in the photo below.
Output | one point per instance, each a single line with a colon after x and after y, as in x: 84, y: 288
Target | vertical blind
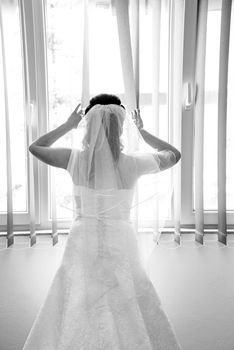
x: 128, y: 28
x: 30, y: 109
x: 199, y: 117
x: 222, y: 117
x: 10, y: 237
x: 175, y: 100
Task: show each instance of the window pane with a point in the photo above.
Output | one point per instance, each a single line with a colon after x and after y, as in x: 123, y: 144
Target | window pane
x: 14, y: 70
x: 211, y: 112
x: 105, y: 64
x: 64, y: 31
x: 65, y: 53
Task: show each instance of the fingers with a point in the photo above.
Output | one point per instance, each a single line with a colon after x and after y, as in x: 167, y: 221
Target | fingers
x: 135, y: 113
x: 79, y: 111
x: 137, y: 118
x: 77, y: 107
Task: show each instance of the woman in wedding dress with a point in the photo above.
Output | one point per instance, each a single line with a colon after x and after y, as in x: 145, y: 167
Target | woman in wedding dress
x: 101, y: 297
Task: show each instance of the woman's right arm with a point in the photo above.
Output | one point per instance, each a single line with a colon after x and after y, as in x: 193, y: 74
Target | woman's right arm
x: 58, y: 156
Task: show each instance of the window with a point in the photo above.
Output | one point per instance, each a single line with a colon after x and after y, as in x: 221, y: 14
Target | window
x: 65, y: 74
x: 47, y: 72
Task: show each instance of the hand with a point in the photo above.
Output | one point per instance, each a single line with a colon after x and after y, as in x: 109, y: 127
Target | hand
x: 137, y: 118
x: 75, y: 117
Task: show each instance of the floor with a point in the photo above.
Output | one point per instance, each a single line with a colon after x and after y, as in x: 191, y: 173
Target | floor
x: 195, y: 284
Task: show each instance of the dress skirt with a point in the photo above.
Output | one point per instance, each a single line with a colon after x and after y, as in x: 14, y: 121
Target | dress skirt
x: 101, y: 297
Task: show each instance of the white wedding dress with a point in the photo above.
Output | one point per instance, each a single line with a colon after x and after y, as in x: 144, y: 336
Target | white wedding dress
x: 100, y: 297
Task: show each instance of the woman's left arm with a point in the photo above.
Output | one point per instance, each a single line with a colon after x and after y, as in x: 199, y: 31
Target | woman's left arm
x: 58, y: 156
x: 152, y: 140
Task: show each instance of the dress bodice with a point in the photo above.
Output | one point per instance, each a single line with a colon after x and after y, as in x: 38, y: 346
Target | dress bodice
x: 107, y: 203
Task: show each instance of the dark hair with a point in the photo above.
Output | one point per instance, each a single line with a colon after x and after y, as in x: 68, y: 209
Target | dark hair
x: 103, y: 99
x: 113, y: 137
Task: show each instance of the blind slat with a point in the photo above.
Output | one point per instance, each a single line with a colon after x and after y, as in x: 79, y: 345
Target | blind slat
x: 134, y: 25
x: 156, y: 26
x: 178, y: 32
x: 54, y: 206
x: 31, y: 194
x: 85, y: 68
x: 135, y: 30
x: 10, y: 234
x: 199, y: 119
x: 131, y: 80
x: 171, y: 25
x: 122, y: 14
x: 222, y: 118
x: 30, y: 120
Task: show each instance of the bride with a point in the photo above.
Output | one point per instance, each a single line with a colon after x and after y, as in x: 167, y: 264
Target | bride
x: 101, y: 297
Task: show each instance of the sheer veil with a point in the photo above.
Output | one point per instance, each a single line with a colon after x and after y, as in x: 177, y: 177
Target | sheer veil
x: 106, y: 163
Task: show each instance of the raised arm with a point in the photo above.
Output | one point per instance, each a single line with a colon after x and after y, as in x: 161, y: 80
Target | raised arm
x: 152, y: 140
x: 58, y: 156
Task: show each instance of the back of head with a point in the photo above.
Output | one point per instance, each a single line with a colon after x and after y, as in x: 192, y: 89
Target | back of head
x: 113, y: 132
